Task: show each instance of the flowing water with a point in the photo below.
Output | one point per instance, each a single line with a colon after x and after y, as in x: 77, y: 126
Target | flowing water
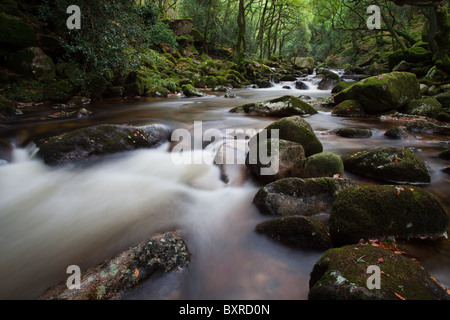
x: 51, y: 218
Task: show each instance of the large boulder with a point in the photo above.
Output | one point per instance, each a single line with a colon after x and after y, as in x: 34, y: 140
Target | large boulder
x: 303, y: 63
x: 190, y: 91
x: 110, y: 280
x: 383, y: 211
x: 297, y: 232
x: 343, y: 274
x: 181, y: 27
x: 390, y: 164
x: 382, y: 93
x: 298, y: 130
x: 295, y: 196
x: 329, y: 80
x: 100, y: 140
x: 284, y: 106
x: 277, y: 162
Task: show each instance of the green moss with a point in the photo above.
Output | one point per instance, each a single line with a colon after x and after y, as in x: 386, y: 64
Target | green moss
x: 16, y: 32
x: 190, y: 91
x: 323, y: 164
x: 388, y: 164
x: 427, y: 107
x: 348, y: 108
x: 341, y: 274
x: 383, y: 211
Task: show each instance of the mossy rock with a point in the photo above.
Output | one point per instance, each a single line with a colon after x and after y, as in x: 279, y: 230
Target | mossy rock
x: 382, y: 93
x: 354, y: 132
x: 60, y: 91
x: 277, y: 162
x: 111, y: 279
x: 427, y: 127
x: 342, y: 274
x: 190, y: 91
x: 297, y: 232
x: 16, y: 32
x: 158, y: 91
x: 323, y: 164
x: 382, y: 211
x: 443, y: 98
x: 391, y: 164
x: 96, y: 141
x: 295, y: 196
x: 303, y: 63
x: 298, y: 130
x: 443, y: 116
x: 341, y: 85
x: 445, y: 154
x: 284, y: 106
x: 33, y: 62
x: 426, y: 107
x: 348, y: 108
x: 436, y: 75
x: 397, y: 132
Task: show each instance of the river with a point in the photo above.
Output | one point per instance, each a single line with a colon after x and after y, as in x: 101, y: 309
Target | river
x: 55, y: 217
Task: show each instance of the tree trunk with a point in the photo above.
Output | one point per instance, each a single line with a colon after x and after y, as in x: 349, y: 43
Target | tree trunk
x: 240, y: 44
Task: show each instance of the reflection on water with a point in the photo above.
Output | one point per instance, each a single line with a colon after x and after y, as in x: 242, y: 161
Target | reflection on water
x: 54, y: 217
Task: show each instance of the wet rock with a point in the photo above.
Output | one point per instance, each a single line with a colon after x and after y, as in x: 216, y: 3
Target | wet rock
x: 284, y: 106
x: 391, y: 164
x: 444, y: 99
x: 166, y: 252
x: 297, y: 232
x: 443, y: 116
x: 427, y: 127
x: 328, y: 81
x: 341, y: 274
x: 190, y: 91
x: 264, y: 83
x: 354, y: 132
x: 397, y: 132
x: 300, y: 85
x: 383, y: 92
x: 323, y: 164
x: 298, y: 130
x: 382, y: 211
x: 295, y: 196
x: 341, y: 85
x: 96, y: 141
x: 445, y: 154
x: 348, y: 108
x: 427, y: 107
x: 303, y: 63
x: 281, y: 156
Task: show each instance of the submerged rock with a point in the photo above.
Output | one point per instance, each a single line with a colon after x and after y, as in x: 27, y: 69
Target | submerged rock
x: 109, y: 280
x: 295, y: 196
x: 390, y: 164
x: 280, y: 107
x: 99, y: 140
x: 342, y: 274
x: 382, y: 93
x: 354, y: 132
x: 397, y: 132
x: 383, y: 211
x: 297, y: 232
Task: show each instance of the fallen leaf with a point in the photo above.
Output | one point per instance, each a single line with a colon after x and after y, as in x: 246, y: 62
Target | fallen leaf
x: 399, y: 296
x: 380, y: 260
x: 136, y: 273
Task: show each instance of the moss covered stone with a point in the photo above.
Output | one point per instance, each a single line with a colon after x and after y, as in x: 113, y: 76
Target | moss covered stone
x: 297, y: 232
x: 113, y: 278
x: 383, y: 92
x: 397, y: 132
x: 323, y: 164
x: 190, y: 91
x: 341, y: 85
x: 427, y: 107
x: 383, y: 211
x: 445, y: 154
x: 284, y: 106
x: 354, y: 132
x: 348, y: 108
x: 298, y: 130
x: 100, y: 140
x: 60, y: 91
x: 341, y: 274
x: 295, y: 196
x: 390, y: 164
x: 443, y: 98
x: 427, y: 127
x: 33, y: 62
x: 277, y: 162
